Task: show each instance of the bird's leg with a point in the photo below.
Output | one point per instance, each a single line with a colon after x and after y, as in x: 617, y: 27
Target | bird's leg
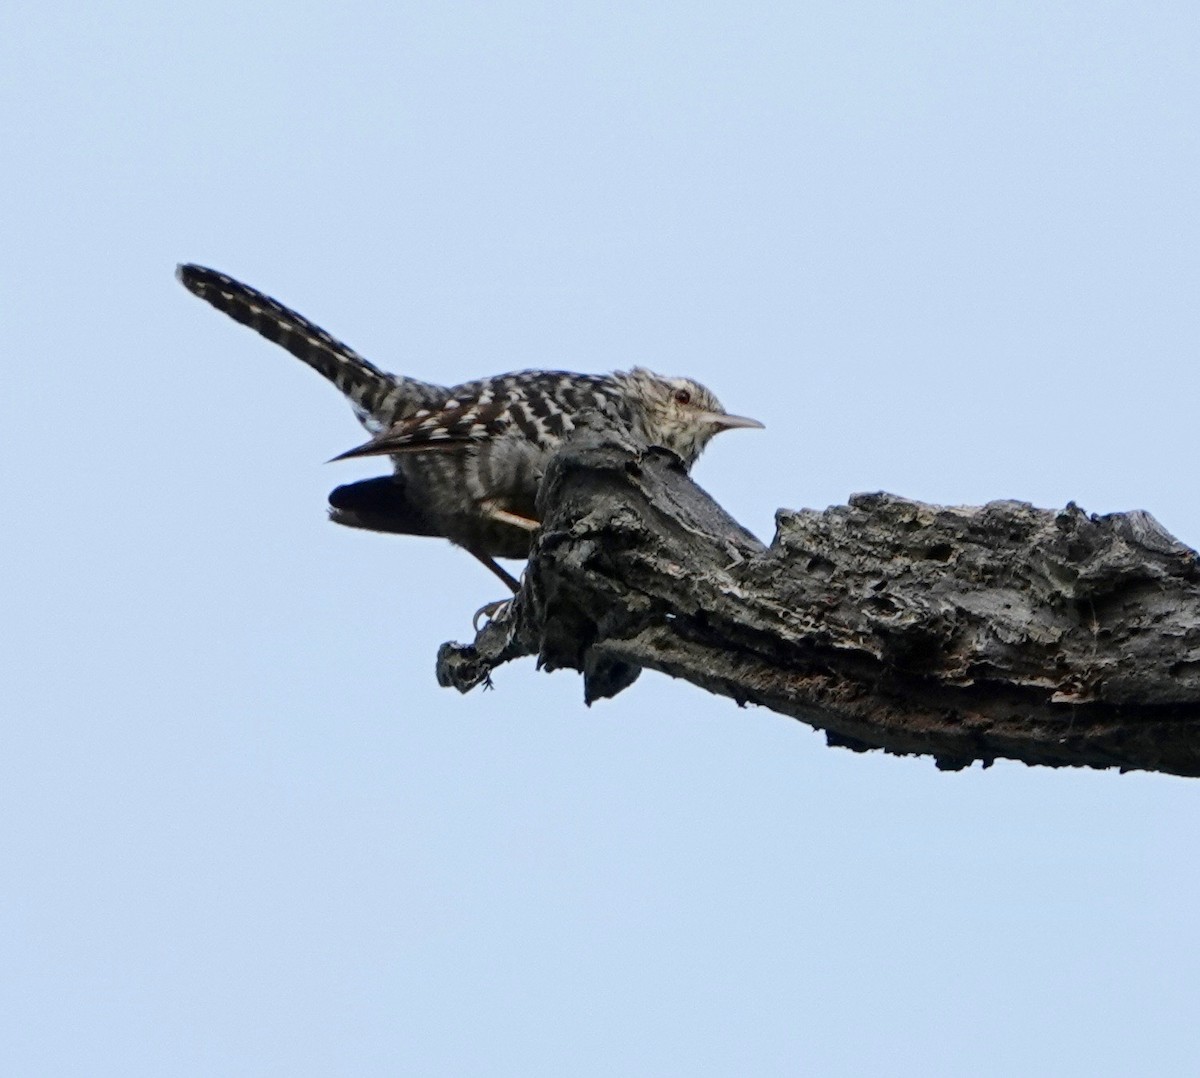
x: 505, y: 517
x: 490, y: 509
x: 511, y: 581
x: 490, y: 610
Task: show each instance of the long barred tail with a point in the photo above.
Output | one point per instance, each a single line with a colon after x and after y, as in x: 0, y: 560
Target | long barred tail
x: 378, y: 398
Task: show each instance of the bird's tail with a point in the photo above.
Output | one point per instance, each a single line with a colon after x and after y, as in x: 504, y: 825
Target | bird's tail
x: 378, y: 398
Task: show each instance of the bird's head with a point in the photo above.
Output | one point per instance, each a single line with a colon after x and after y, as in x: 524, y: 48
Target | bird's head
x: 679, y: 414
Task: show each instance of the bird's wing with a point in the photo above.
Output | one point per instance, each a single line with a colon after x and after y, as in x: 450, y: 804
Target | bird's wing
x: 454, y: 425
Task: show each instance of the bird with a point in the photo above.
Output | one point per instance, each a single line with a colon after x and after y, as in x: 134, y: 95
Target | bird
x: 468, y: 459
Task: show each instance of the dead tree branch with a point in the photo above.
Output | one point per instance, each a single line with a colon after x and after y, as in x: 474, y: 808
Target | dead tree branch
x: 968, y: 633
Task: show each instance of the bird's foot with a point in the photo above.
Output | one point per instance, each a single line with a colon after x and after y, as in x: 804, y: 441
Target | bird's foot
x: 490, y: 611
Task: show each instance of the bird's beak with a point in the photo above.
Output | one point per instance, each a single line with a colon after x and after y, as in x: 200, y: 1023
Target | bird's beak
x: 728, y: 422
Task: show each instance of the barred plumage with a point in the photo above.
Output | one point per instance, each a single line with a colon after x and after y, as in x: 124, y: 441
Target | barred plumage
x: 468, y: 459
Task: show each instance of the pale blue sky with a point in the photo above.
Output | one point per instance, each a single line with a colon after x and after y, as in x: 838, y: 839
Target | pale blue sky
x: 946, y: 250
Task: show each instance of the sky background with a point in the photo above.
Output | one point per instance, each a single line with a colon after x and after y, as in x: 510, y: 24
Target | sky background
x: 944, y: 250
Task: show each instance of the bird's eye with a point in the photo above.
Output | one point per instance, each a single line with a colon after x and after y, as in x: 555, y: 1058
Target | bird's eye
x: 683, y: 396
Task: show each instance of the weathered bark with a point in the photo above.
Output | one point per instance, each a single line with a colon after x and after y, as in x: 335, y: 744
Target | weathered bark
x: 969, y: 633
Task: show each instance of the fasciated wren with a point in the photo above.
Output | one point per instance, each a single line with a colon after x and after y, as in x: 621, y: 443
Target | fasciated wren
x: 468, y: 458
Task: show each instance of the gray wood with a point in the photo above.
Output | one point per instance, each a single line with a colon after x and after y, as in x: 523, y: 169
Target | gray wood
x: 967, y: 633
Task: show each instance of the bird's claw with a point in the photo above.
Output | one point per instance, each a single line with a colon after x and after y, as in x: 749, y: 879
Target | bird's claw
x: 490, y: 611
